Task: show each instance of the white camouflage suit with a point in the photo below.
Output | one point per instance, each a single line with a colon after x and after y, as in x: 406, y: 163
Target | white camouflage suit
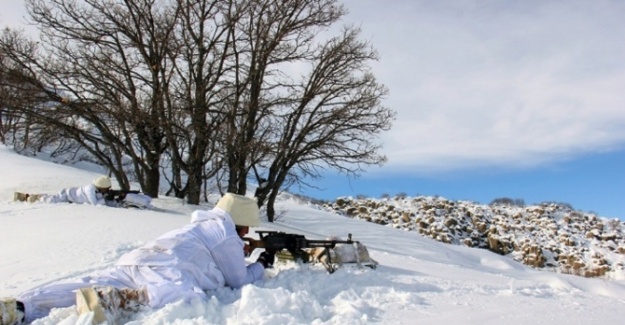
x: 181, y: 264
x: 85, y: 194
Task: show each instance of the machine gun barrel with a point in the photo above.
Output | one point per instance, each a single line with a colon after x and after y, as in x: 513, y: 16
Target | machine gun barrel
x: 330, y: 243
x: 294, y: 243
x: 118, y: 195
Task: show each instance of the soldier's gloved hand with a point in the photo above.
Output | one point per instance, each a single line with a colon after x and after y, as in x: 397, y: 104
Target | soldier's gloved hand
x: 108, y: 196
x: 267, y: 258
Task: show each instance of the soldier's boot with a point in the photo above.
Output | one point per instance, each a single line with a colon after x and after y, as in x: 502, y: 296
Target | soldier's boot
x: 132, y: 300
x: 109, y: 304
x: 87, y: 300
x: 11, y: 312
x: 21, y: 197
x: 32, y: 198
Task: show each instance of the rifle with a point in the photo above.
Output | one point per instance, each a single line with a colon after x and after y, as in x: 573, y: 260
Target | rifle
x: 277, y: 241
x: 118, y: 195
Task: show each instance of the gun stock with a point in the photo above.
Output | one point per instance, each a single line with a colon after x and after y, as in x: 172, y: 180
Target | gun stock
x: 253, y: 243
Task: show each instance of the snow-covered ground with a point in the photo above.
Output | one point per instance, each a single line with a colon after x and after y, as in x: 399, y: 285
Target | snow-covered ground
x: 418, y: 281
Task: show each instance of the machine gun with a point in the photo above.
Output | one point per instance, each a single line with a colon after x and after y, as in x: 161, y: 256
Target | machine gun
x: 294, y: 245
x: 118, y: 195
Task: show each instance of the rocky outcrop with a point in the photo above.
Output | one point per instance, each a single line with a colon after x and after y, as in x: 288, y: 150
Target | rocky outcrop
x: 546, y: 236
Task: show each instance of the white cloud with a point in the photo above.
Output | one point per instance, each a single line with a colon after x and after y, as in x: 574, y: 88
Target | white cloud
x: 498, y: 83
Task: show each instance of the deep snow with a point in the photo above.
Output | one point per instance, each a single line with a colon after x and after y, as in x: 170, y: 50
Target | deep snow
x: 418, y: 281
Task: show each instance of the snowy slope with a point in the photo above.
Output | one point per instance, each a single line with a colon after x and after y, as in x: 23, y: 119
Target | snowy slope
x: 419, y: 280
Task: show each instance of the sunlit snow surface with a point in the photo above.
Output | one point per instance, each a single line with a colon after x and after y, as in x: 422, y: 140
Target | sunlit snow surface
x: 418, y: 281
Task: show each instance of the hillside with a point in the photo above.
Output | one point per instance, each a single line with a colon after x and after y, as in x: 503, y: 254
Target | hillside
x: 418, y: 281
x: 548, y: 236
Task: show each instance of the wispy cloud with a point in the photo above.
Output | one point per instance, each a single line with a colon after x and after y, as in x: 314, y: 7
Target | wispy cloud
x: 497, y: 83
x: 490, y: 83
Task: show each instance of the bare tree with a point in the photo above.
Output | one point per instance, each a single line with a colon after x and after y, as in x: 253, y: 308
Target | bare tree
x: 110, y: 60
x: 290, y: 128
x: 219, y: 88
x: 201, y: 59
x: 269, y: 36
x: 333, y: 120
x: 25, y: 96
x: 11, y: 86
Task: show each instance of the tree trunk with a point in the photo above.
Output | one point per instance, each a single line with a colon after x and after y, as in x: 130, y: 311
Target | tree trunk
x: 271, y: 212
x: 152, y: 182
x: 194, y: 186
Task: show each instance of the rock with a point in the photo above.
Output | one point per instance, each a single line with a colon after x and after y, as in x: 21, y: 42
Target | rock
x: 405, y: 217
x: 451, y: 222
x: 533, y: 256
x: 542, y: 236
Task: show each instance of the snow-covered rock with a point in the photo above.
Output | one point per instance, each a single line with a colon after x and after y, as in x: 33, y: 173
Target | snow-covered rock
x: 547, y: 236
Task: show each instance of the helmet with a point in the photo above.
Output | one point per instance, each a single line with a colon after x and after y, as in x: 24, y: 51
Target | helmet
x: 242, y: 209
x: 102, y: 182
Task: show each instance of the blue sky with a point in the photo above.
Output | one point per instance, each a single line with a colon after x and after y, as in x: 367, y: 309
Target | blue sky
x: 499, y: 98
x: 592, y: 183
x: 519, y: 99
